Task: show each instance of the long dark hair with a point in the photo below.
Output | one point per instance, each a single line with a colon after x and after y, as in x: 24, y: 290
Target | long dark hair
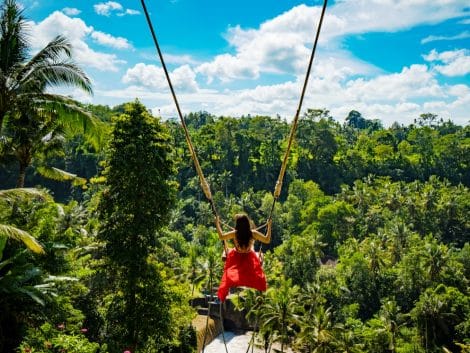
x: 243, y: 228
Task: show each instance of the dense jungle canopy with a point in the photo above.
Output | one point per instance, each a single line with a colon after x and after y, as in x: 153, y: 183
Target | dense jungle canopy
x: 106, y: 237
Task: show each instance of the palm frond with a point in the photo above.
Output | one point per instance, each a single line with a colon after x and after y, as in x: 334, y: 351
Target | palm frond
x: 32, y: 293
x: 73, y: 118
x: 53, y: 74
x: 11, y: 195
x: 54, y: 279
x: 20, y: 235
x: 13, y: 36
x: 54, y: 51
x: 52, y: 145
x: 60, y: 175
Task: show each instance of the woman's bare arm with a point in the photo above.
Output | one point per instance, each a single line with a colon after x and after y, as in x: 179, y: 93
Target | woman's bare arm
x: 257, y: 235
x: 222, y: 235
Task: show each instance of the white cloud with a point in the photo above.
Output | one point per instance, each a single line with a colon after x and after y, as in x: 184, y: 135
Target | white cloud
x: 175, y: 59
x: 282, y: 44
x: 110, y: 41
x: 132, y: 12
x: 463, y: 35
x: 459, y: 90
x: 56, y: 23
x: 71, y: 11
x: 388, y: 97
x: 392, y: 97
x: 179, y: 59
x: 339, y: 82
x: 110, y: 7
x: 183, y: 78
x: 462, y: 101
x: 227, y: 67
x: 361, y: 16
x: 76, y: 30
x: 27, y: 4
x: 456, y: 62
x: 106, y: 8
x: 278, y: 46
x: 413, y: 82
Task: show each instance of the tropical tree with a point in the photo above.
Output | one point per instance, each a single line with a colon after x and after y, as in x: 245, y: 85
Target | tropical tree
x: 134, y: 206
x: 383, y: 330
x: 7, y: 231
x: 279, y: 312
x: 30, y: 115
x: 435, y: 258
x: 19, y: 277
x: 347, y: 341
x: 26, y: 81
x: 300, y: 256
x: 37, y: 138
x: 439, y: 314
x: 196, y: 275
x: 318, y: 332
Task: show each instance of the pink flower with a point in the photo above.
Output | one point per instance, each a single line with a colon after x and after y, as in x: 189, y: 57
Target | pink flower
x: 61, y: 326
x: 84, y: 330
x: 127, y: 352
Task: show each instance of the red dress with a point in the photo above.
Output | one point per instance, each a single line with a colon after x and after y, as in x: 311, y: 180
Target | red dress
x: 242, y: 269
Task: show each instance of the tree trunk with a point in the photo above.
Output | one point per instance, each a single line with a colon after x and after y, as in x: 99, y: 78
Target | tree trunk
x: 132, y: 306
x: 21, y: 175
x: 2, y: 118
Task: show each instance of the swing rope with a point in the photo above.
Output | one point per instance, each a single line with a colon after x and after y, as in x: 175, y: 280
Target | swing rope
x: 295, y: 122
x: 204, y: 184
x: 282, y: 172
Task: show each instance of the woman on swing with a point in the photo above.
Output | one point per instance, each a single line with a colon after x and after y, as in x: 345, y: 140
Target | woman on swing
x: 242, y: 265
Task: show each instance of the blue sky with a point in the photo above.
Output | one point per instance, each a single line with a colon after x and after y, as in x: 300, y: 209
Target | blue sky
x: 388, y: 59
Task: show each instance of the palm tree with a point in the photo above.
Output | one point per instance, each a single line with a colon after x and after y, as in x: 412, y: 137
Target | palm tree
x: 398, y: 233
x: 279, y: 311
x: 318, y: 332
x: 392, y: 320
x: 375, y: 256
x: 21, y: 288
x: 347, y: 342
x: 212, y: 268
x: 23, y: 81
x: 11, y: 232
x: 196, y: 275
x: 26, y: 108
x: 37, y: 136
x: 435, y: 258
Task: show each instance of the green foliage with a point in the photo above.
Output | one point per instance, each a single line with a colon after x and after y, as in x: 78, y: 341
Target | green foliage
x: 278, y: 312
x: 48, y: 339
x: 439, y: 313
x: 33, y: 122
x: 371, y: 229
x: 46, y: 288
x: 300, y: 256
x: 139, y: 301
